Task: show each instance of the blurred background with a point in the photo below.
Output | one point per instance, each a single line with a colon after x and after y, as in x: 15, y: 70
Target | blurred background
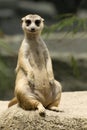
x: 65, y: 34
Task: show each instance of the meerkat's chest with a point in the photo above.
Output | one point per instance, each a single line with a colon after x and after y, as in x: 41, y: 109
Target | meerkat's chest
x: 36, y: 58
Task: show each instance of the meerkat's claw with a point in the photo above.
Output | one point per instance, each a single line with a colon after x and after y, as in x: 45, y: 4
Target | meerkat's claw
x: 31, y: 83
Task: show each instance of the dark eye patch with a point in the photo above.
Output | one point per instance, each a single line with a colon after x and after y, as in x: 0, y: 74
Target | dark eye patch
x: 37, y: 22
x: 28, y: 22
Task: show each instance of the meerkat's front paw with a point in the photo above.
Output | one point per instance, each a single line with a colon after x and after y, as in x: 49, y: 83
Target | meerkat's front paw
x: 31, y: 80
x: 51, y: 81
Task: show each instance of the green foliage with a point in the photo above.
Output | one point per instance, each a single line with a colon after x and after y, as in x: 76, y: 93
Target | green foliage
x: 6, y: 72
x: 75, y: 68
x: 70, y: 24
x: 6, y: 47
x: 6, y: 76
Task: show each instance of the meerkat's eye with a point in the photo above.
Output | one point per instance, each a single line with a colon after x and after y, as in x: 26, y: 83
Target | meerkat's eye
x: 37, y: 22
x: 28, y: 22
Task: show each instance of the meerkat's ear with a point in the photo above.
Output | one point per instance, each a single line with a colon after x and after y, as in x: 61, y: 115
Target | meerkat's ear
x: 42, y: 19
x: 22, y: 19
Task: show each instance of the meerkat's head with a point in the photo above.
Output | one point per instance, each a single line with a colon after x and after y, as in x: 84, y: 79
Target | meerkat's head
x: 32, y: 24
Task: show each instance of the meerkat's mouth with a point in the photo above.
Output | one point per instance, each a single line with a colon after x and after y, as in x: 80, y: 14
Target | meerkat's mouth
x: 33, y: 31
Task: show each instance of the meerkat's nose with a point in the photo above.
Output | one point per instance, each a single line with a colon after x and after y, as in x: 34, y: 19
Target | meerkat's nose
x: 32, y: 29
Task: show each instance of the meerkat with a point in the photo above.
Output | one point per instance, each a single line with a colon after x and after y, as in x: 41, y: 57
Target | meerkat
x: 35, y: 86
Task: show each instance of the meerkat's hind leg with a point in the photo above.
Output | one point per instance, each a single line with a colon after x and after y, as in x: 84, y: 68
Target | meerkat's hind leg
x: 56, y: 109
x: 57, y: 88
x: 29, y: 103
x: 54, y: 106
x: 32, y: 104
x: 35, y: 104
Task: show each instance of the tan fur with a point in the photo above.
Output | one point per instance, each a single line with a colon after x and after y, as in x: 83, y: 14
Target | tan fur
x: 35, y: 86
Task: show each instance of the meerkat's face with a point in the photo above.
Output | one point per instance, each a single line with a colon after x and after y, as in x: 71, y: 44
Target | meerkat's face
x: 32, y: 24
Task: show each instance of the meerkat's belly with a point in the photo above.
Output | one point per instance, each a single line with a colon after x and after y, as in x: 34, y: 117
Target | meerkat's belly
x: 43, y: 90
x: 41, y: 79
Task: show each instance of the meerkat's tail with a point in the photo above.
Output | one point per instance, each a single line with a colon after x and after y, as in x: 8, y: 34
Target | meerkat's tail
x: 13, y: 102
